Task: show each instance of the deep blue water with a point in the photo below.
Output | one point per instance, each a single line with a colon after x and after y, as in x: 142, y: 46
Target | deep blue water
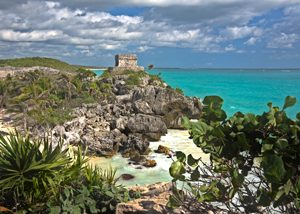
x: 242, y: 90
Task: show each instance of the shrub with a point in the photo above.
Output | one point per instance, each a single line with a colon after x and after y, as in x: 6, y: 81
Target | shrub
x: 46, y: 99
x: 254, y: 160
x: 29, y: 169
x: 178, y: 90
x: 38, y: 177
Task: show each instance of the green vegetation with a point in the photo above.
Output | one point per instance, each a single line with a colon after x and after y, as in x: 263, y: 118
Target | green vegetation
x: 254, y: 160
x: 37, y: 177
x: 155, y: 78
x: 134, y: 78
x: 47, y: 99
x: 38, y: 61
x: 179, y: 90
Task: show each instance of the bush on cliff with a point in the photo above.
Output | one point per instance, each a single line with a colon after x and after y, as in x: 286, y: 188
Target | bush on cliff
x: 42, y: 98
x: 38, y: 177
x: 254, y: 160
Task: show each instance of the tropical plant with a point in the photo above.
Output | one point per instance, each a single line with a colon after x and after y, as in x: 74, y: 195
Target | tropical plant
x: 40, y: 98
x: 36, y: 176
x: 29, y: 169
x: 254, y: 160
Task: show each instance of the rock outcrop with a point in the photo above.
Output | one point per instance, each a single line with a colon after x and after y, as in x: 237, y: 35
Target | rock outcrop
x: 153, y: 199
x: 127, y: 122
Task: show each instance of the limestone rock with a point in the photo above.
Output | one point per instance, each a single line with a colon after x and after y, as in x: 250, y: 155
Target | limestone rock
x: 148, y: 126
x: 153, y: 200
x: 142, y: 107
x: 163, y: 149
x: 150, y: 163
x: 136, y: 144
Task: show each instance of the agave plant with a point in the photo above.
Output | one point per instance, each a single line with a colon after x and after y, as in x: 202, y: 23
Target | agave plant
x: 29, y: 168
x: 96, y: 176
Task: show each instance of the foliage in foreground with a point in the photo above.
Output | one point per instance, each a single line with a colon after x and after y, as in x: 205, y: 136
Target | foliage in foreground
x: 254, y: 160
x: 38, y: 177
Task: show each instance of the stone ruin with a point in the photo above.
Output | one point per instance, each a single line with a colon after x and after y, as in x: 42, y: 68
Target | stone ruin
x: 126, y: 62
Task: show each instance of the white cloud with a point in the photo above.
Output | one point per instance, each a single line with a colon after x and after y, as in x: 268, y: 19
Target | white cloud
x: 251, y: 41
x: 230, y: 48
x: 177, y: 36
x: 144, y: 48
x: 241, y: 32
x: 284, y: 41
x: 83, y: 28
x: 36, y: 35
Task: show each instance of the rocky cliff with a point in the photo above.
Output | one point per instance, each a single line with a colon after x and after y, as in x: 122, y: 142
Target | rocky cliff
x: 130, y: 118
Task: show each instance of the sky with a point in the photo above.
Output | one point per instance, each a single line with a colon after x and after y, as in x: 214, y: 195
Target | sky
x: 166, y: 33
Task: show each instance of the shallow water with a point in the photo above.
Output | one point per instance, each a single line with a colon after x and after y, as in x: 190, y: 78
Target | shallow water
x: 178, y: 140
x: 242, y: 90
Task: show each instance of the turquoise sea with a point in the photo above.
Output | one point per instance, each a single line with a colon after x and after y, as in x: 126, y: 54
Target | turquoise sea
x: 242, y: 90
x: 245, y: 90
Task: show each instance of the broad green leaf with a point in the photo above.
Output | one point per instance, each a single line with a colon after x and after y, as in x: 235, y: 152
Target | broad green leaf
x: 180, y: 156
x: 176, y: 169
x: 266, y: 147
x: 289, y: 101
x: 195, y: 174
x: 191, y: 160
x: 273, y: 168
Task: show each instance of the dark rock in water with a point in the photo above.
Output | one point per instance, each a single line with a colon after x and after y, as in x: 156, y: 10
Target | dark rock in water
x: 163, y: 149
x: 150, y: 163
x: 127, y: 177
x: 139, y: 167
x: 137, y: 157
x: 135, y: 143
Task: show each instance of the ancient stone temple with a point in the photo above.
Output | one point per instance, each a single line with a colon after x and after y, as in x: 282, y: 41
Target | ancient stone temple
x: 126, y: 62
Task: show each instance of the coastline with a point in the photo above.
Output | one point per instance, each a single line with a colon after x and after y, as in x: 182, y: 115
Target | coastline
x: 176, y: 140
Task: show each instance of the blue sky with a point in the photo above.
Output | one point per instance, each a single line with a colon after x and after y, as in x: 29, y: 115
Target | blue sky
x: 166, y: 33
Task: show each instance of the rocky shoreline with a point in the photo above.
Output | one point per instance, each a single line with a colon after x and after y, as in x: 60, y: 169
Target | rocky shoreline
x: 127, y: 122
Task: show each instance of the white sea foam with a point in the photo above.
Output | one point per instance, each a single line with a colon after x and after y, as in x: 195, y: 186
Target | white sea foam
x: 177, y: 140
